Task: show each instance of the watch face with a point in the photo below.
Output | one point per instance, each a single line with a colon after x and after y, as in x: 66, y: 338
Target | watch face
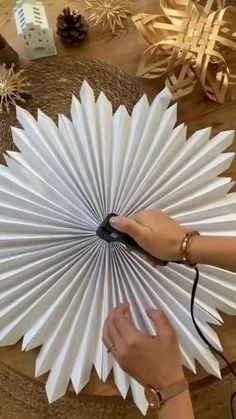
x: 153, y: 397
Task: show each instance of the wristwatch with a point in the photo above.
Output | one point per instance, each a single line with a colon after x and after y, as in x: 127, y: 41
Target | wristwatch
x: 156, y: 397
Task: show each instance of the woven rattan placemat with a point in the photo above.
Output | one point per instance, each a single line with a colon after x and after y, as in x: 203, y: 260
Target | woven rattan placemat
x: 54, y: 80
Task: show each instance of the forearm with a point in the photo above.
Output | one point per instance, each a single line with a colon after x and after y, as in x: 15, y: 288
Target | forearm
x: 179, y: 407
x: 215, y: 251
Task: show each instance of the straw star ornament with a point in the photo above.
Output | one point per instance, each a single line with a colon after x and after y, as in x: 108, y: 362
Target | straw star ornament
x: 189, y: 42
x: 111, y: 14
x: 12, y: 87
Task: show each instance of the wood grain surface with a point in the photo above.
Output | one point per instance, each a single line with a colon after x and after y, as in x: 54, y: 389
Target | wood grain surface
x: 198, y: 112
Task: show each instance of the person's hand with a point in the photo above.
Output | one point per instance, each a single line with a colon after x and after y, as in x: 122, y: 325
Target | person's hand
x: 152, y: 360
x: 154, y: 231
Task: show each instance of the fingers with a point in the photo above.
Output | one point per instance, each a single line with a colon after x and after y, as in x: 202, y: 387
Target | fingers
x: 161, y: 322
x: 118, y: 328
x: 123, y: 325
x: 106, y: 338
x: 154, y: 262
x: 110, y: 332
x: 111, y: 337
x: 128, y: 226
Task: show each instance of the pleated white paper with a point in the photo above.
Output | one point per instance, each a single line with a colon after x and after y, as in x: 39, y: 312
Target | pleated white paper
x: 59, y: 281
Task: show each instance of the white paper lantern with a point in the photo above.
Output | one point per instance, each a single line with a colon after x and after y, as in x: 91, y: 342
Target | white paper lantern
x: 59, y: 281
x: 32, y: 25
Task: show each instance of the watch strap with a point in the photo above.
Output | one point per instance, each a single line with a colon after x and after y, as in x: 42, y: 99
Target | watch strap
x: 173, y: 390
x: 156, y: 397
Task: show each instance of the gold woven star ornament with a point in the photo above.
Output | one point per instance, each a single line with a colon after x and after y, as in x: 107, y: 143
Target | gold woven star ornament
x: 189, y: 42
x: 12, y: 87
x: 111, y: 14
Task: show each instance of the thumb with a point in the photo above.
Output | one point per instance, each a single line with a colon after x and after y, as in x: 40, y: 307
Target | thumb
x: 128, y: 226
x: 123, y: 308
x: 161, y: 322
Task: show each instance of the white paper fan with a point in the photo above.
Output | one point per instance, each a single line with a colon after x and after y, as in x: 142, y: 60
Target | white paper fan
x: 59, y: 281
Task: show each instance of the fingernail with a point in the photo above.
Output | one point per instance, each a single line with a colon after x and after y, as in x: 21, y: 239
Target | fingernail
x: 124, y: 305
x: 114, y: 221
x: 149, y: 311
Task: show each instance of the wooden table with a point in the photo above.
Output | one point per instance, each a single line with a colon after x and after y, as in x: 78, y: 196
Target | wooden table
x: 198, y: 112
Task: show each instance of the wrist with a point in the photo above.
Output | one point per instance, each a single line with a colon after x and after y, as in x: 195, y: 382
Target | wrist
x: 175, y: 245
x: 158, y: 383
x: 158, y: 398
x: 177, y: 398
x: 195, y: 244
x: 178, y: 407
x: 186, y: 253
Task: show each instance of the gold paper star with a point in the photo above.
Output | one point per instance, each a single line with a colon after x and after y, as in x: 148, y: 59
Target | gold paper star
x: 111, y: 14
x: 12, y: 87
x: 189, y: 42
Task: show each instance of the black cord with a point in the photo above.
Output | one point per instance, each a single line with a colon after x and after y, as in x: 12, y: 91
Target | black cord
x: 203, y: 337
x: 233, y: 395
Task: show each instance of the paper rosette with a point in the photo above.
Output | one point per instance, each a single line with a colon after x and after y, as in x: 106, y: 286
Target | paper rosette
x: 59, y: 281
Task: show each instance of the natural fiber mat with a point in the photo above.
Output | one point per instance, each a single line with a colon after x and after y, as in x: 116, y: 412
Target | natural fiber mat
x: 21, y: 398
x: 53, y: 81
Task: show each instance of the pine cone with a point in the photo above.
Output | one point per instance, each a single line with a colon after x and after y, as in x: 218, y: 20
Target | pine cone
x: 71, y: 27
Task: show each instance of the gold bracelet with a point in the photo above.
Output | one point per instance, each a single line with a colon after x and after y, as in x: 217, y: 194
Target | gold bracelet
x: 185, y: 247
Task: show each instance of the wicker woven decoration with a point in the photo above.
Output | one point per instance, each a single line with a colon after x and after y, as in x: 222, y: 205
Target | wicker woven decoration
x: 189, y: 42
